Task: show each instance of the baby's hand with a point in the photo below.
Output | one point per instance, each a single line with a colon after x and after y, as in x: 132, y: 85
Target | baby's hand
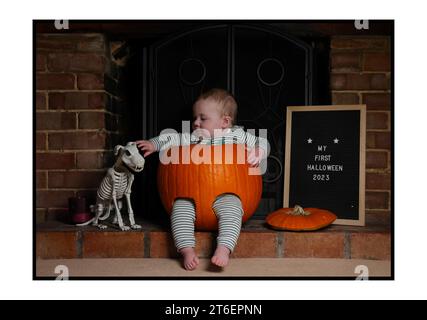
x: 146, y: 146
x: 255, y: 156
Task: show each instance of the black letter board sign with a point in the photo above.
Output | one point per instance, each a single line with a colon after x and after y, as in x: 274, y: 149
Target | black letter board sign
x: 325, y: 160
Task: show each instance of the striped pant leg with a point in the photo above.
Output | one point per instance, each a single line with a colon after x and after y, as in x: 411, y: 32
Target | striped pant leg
x: 229, y: 211
x: 182, y: 221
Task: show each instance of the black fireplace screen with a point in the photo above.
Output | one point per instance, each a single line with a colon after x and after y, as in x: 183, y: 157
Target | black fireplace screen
x: 264, y: 69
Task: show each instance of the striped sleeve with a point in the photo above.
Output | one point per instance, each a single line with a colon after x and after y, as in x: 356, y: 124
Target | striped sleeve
x: 245, y: 137
x: 168, y: 139
x: 251, y: 140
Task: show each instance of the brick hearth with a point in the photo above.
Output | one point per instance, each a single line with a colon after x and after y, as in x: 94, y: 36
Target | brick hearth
x: 57, y: 240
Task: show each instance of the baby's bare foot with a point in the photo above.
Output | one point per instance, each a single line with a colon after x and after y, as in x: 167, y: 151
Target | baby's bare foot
x: 191, y: 261
x: 221, y: 256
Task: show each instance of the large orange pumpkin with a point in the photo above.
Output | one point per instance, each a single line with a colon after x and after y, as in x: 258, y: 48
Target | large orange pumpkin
x: 209, y: 172
x: 299, y: 219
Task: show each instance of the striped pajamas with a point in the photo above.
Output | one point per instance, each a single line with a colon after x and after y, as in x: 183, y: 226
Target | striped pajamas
x: 227, y: 207
x: 235, y: 134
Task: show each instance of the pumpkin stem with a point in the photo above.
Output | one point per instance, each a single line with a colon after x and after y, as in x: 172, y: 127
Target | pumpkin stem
x: 299, y: 211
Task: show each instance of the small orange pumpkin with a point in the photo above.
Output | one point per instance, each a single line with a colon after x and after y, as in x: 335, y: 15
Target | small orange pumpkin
x: 209, y: 172
x: 298, y: 219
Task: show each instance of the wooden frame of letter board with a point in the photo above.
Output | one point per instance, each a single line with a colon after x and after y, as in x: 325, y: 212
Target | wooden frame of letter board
x: 362, y: 161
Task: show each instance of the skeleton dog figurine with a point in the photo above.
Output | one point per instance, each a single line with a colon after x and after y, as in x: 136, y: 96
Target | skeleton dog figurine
x: 116, y: 184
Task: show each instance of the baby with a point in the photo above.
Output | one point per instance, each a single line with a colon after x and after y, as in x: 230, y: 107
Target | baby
x: 214, y: 113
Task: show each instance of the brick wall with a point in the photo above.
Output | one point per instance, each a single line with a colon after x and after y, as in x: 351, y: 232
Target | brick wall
x: 79, y: 113
x: 360, y: 73
x: 77, y: 118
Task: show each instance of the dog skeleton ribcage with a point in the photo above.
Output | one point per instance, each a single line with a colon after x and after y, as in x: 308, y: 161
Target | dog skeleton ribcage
x: 116, y: 184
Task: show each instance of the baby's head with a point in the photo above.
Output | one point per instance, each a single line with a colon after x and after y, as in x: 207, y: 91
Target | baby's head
x: 214, y: 109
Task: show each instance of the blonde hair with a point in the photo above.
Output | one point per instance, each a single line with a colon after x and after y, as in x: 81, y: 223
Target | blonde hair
x: 225, y: 100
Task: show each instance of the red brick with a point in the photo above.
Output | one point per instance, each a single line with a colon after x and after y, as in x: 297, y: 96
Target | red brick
x: 98, y: 100
x: 80, y: 62
x: 377, y: 101
x: 53, y: 198
x: 40, y: 62
x: 41, y: 101
x: 353, y: 82
x: 375, y: 246
x: 256, y: 245
x: 41, y: 141
x: 75, y: 179
x: 54, y: 81
x: 338, y: 81
x: 70, y: 42
x: 370, y: 140
x: 376, y: 61
x: 113, y: 244
x: 345, y: 61
x: 378, y: 181
x: 162, y: 245
x: 56, y: 245
x: 377, y: 200
x: 380, y: 82
x: 54, y: 161
x: 58, y: 214
x: 55, y: 42
x: 356, y: 81
x: 93, y: 160
x: 55, y: 120
x: 376, y: 160
x: 359, y: 43
x: 59, y: 61
x: 92, y: 43
x: 313, y: 245
x: 77, y: 140
x: 378, y: 140
x: 378, y: 217
x: 41, y: 180
x: 68, y: 100
x: 77, y: 100
x: 92, y: 120
x: 344, y: 98
x: 90, y: 81
x: 377, y: 120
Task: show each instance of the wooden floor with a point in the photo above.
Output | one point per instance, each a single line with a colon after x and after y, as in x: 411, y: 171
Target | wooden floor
x: 248, y: 267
